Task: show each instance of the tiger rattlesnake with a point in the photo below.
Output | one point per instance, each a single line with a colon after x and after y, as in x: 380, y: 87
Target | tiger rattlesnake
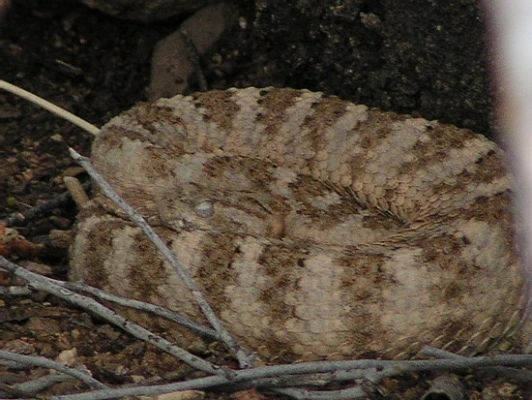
x: 319, y: 229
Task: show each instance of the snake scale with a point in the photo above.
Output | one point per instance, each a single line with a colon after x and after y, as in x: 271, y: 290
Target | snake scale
x: 318, y: 228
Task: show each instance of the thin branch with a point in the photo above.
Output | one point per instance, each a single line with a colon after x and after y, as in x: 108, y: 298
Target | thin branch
x: 244, y: 357
x: 296, y: 370
x: 372, y: 376
x: 520, y: 375
x: 60, y: 112
x: 35, y: 361
x: 51, y: 286
x: 10, y: 391
x: 34, y: 386
x: 12, y: 365
x: 146, y: 307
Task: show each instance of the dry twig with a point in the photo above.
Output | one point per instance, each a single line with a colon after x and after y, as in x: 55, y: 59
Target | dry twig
x: 366, y: 369
x: 142, y: 306
x: 39, y: 101
x: 34, y: 386
x: 36, y: 361
x: 519, y: 375
x: 53, y: 287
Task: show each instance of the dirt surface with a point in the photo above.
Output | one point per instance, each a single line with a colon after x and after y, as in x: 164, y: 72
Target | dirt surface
x: 417, y: 57
x: 426, y: 59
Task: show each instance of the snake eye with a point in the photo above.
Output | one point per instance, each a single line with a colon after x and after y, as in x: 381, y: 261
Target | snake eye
x: 204, y: 209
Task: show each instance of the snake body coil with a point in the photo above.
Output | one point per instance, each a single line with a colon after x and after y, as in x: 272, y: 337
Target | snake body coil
x: 319, y: 229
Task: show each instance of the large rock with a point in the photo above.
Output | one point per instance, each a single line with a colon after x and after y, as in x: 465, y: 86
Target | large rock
x: 171, y: 67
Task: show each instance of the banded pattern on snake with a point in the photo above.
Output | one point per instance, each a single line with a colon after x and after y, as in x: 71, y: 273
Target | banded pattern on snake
x: 319, y: 229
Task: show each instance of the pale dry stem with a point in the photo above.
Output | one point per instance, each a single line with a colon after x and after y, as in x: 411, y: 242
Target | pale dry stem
x: 60, y: 112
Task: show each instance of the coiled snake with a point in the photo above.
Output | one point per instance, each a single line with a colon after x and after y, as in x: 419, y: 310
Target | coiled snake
x: 319, y: 229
